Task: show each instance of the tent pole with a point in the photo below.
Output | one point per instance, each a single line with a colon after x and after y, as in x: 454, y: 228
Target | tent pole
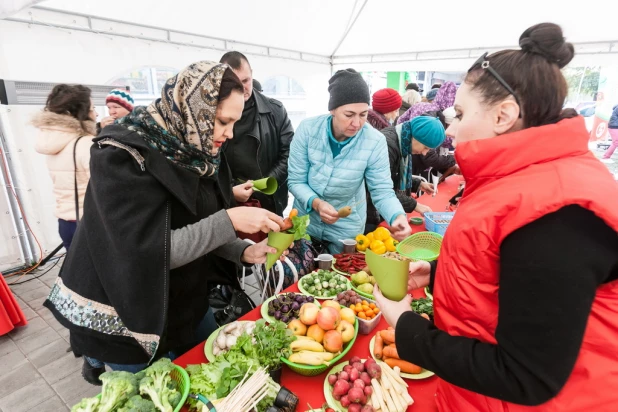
x: 349, y: 29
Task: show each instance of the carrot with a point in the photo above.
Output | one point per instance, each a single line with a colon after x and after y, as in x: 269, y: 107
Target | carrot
x: 388, y: 336
x: 390, y: 351
x: 378, y: 346
x: 293, y: 213
x: 405, y: 367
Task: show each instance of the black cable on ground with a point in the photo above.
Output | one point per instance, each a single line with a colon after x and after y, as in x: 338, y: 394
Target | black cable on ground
x: 38, y: 276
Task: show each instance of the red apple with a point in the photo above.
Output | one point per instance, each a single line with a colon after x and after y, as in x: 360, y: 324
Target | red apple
x: 328, y: 318
x: 333, y: 342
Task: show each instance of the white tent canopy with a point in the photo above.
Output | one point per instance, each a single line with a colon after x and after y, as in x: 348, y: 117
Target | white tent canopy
x: 96, y: 42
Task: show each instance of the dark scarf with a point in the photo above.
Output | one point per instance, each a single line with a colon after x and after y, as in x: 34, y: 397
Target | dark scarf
x: 405, y: 166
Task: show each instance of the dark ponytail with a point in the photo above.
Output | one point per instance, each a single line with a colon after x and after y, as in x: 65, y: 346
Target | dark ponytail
x: 71, y: 100
x: 533, y: 72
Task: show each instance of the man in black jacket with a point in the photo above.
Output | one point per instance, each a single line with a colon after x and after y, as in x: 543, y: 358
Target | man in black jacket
x: 262, y: 137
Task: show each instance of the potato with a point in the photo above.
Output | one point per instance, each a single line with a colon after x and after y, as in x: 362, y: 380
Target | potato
x: 345, y: 211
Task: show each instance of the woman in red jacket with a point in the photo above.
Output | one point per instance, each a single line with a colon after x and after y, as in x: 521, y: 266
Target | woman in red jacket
x: 526, y: 288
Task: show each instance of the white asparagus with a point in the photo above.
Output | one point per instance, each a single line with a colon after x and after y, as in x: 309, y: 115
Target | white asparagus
x: 396, y: 400
x: 397, y: 374
x: 378, y: 391
x: 408, y: 398
x: 389, y: 401
x: 386, y: 384
x: 398, y: 387
x: 393, y: 373
x: 374, y: 400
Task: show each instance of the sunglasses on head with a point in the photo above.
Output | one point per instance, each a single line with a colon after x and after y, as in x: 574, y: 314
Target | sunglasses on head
x: 484, y: 64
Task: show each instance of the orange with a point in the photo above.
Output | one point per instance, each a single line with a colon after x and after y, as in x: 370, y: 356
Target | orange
x: 365, y: 308
x: 376, y: 310
x: 365, y: 303
x: 362, y: 315
x: 369, y: 314
x: 372, y: 305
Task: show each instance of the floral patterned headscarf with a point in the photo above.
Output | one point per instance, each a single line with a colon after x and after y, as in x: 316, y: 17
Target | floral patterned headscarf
x: 180, y: 124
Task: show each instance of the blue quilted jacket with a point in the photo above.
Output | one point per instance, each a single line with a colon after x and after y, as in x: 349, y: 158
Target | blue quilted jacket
x: 312, y: 171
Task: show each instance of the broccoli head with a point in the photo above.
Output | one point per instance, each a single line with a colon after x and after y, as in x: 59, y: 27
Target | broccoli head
x: 138, y: 404
x: 159, y: 385
x: 118, y: 387
x: 86, y: 405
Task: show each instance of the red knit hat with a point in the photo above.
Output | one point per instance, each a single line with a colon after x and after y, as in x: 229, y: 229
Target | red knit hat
x: 386, y: 101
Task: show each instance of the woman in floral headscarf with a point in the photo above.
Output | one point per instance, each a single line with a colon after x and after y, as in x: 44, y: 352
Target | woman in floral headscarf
x: 155, y: 229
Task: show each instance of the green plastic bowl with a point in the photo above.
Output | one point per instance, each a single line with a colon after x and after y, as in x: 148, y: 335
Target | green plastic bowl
x: 416, y: 221
x: 311, y: 370
x: 421, y: 246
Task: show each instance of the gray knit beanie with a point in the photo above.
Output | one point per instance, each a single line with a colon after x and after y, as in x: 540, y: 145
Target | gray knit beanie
x: 346, y: 87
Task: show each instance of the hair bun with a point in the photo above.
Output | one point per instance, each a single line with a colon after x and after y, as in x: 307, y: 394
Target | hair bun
x: 546, y: 39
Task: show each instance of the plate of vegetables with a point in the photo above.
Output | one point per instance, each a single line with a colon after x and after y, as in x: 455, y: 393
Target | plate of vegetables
x: 382, y: 347
x: 349, y: 263
x: 285, y: 307
x: 323, y: 284
x: 222, y: 340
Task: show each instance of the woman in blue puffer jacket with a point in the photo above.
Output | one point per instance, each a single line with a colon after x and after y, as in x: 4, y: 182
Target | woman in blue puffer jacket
x: 332, y: 156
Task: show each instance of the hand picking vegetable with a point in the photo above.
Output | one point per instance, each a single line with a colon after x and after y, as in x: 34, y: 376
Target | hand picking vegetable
x: 296, y: 225
x: 345, y: 211
x: 229, y: 334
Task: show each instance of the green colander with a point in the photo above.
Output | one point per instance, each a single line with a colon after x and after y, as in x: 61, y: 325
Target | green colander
x: 421, y: 246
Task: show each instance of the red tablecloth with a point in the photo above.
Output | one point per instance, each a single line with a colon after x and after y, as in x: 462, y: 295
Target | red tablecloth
x: 310, y: 389
x: 11, y: 315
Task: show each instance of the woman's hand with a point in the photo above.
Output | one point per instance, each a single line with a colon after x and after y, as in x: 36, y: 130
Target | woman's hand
x: 106, y: 121
x: 256, y: 254
x: 243, y: 192
x: 390, y: 309
x: 418, y: 277
x: 328, y: 213
x: 252, y: 220
x: 453, y: 170
x: 422, y: 209
x: 401, y: 227
x: 427, y: 188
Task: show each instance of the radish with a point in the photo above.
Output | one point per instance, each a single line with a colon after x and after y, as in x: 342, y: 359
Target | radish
x: 337, y: 397
x: 356, y: 395
x: 347, y: 368
x: 341, y: 387
x: 355, y: 407
x: 367, y: 408
x: 359, y: 366
x: 354, y: 360
x: 374, y: 371
x: 354, y: 375
x: 345, y: 401
x: 359, y: 384
x: 365, y: 378
x: 368, y: 390
x: 345, y: 376
x: 333, y: 378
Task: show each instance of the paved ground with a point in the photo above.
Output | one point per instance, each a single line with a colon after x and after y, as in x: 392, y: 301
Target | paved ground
x: 37, y: 373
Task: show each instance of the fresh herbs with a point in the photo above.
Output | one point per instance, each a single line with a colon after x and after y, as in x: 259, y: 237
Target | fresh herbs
x: 269, y: 343
x: 423, y: 305
x: 299, y: 228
